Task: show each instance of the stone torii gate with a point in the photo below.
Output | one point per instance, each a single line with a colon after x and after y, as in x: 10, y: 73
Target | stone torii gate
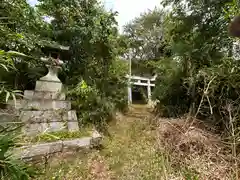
x: 141, y: 81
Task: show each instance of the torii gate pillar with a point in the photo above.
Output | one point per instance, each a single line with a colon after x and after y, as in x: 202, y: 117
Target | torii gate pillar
x: 149, y: 93
x: 129, y: 94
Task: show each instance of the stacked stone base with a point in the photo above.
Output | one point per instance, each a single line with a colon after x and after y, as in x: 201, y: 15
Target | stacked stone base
x: 47, y: 111
x: 48, y: 121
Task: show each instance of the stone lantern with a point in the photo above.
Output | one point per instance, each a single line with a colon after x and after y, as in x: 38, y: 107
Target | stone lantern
x: 46, y: 109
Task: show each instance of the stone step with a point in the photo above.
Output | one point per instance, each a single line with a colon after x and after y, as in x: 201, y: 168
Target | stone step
x: 38, y: 151
x: 45, y: 104
x: 44, y: 95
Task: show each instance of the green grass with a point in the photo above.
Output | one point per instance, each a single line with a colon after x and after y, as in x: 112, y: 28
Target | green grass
x: 130, y: 153
x: 53, y: 136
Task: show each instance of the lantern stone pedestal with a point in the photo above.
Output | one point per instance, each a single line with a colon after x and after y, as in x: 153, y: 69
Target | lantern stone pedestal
x: 46, y: 109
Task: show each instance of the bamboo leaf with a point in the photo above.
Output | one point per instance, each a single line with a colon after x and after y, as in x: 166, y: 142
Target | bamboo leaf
x: 4, y: 66
x: 7, y: 96
x: 14, y: 99
x: 15, y: 53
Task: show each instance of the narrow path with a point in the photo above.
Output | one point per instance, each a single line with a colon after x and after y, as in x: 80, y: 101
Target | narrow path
x: 128, y: 155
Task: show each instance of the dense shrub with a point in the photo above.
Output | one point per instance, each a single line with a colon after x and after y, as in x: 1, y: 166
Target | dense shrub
x: 216, y: 92
x: 91, y: 106
x: 96, y: 104
x: 170, y: 92
x: 219, y: 92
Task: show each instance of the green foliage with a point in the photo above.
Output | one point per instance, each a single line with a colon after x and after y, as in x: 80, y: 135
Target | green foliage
x: 145, y: 36
x: 90, y: 105
x: 145, y: 41
x: 198, y: 32
x: 231, y: 9
x: 85, y: 27
x: 90, y: 32
x: 10, y: 167
x: 115, y: 88
x: 7, y: 65
x: 20, y: 28
x: 219, y: 88
x: 198, y: 37
x: 14, y: 15
x: 94, y: 43
x: 170, y: 91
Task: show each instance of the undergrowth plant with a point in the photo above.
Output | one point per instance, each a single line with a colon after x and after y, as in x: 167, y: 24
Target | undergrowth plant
x: 170, y: 91
x: 6, y: 64
x: 11, y: 167
x: 97, y: 102
x: 91, y: 106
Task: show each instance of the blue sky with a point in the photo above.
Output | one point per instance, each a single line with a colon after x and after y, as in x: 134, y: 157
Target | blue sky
x: 127, y: 9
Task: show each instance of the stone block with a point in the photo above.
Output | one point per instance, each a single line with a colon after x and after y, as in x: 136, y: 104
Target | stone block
x: 28, y: 94
x: 41, y: 116
x: 96, y: 139
x: 49, y: 95
x: 48, y: 86
x: 44, y: 95
x: 72, y: 116
x: 62, y: 105
x: 6, y: 117
x: 72, y: 121
x: 46, y: 104
x: 7, y: 120
x: 73, y: 126
x: 48, y: 116
x: 37, y: 128
x: 76, y: 144
x: 39, y: 150
x: 57, y: 126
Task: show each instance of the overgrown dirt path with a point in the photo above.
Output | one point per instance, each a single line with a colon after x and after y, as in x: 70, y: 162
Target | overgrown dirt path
x: 138, y: 149
x: 129, y: 154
